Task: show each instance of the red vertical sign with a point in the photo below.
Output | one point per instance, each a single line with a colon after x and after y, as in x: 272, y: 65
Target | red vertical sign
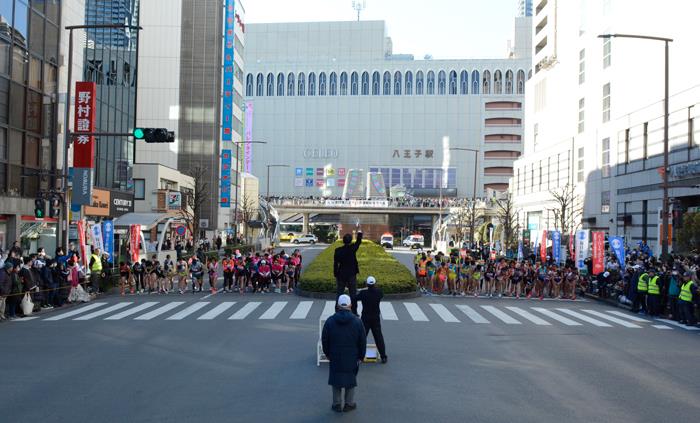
x: 134, y: 241
x: 81, y: 241
x: 83, y: 145
x: 543, y: 246
x: 572, y: 253
x: 598, y: 247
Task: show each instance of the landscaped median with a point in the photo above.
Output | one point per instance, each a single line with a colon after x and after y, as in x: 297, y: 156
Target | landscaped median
x: 392, y: 276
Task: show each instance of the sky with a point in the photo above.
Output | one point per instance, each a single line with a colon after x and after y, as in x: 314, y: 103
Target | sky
x: 445, y: 29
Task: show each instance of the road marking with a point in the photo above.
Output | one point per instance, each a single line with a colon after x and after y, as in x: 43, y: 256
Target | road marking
x: 189, y: 310
x: 387, y: 311
x: 75, y: 312
x: 661, y: 327
x: 585, y: 318
x: 274, y: 310
x: 214, y: 312
x: 416, y: 313
x: 245, y: 311
x: 628, y: 316
x: 104, y: 311
x: 472, y: 314
x: 302, y: 310
x: 328, y: 310
x: 132, y: 311
x: 444, y: 313
x: 529, y: 316
x: 672, y: 323
x: 160, y: 310
x: 500, y: 315
x: 612, y: 319
x: 557, y: 317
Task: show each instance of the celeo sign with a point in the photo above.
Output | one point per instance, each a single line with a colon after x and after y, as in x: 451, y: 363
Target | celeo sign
x: 320, y: 153
x: 357, y: 203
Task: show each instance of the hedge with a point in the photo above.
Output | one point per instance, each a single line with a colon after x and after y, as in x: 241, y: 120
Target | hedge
x: 392, y: 276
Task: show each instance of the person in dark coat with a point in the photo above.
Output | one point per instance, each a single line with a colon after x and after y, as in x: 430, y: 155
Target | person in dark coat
x: 5, y: 286
x: 344, y: 343
x: 345, y: 268
x: 371, y: 319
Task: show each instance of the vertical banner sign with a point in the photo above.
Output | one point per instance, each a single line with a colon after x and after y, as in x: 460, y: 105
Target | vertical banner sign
x: 81, y: 241
x: 598, y: 252
x: 556, y: 247
x: 520, y: 250
x: 134, y: 241
x: 83, y: 145
x: 96, y: 237
x: 617, y: 244
x: 572, y: 253
x: 227, y: 103
x: 581, y: 248
x: 526, y: 238
x: 225, y: 198
x: 543, y: 246
x: 108, y: 235
x: 248, y: 146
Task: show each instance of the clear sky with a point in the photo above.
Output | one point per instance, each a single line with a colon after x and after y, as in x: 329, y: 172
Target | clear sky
x: 446, y: 29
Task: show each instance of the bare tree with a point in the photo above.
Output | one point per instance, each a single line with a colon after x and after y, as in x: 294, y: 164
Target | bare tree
x: 194, y: 198
x: 568, y: 210
x: 508, y: 217
x: 249, y: 210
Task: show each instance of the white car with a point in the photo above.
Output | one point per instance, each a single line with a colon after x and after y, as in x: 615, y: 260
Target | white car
x: 305, y: 239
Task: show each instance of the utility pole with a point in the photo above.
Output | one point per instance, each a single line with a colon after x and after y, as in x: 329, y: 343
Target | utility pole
x: 359, y: 6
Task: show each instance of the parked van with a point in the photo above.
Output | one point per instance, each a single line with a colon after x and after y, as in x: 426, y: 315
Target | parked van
x: 414, y: 241
x: 387, y: 240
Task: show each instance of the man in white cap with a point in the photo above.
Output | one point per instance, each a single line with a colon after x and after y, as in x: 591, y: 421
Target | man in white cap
x: 344, y: 342
x: 371, y: 319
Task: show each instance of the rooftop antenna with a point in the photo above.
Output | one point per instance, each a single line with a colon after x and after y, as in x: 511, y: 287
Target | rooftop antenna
x: 359, y: 6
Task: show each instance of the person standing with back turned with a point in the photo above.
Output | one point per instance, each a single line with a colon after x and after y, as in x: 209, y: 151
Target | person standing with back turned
x: 371, y: 315
x: 345, y: 268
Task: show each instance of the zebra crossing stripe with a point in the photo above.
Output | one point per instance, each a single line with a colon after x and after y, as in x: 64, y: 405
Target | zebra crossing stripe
x: 672, y: 323
x: 529, y: 316
x: 416, y: 313
x: 160, y: 310
x: 472, y: 314
x: 75, y: 312
x: 274, y: 310
x: 328, y: 310
x: 557, y: 317
x: 189, y: 310
x: 104, y: 311
x: 661, y: 327
x: 628, y: 316
x: 245, y: 311
x: 387, y: 311
x: 302, y: 310
x: 444, y: 313
x: 501, y: 315
x: 585, y: 318
x: 612, y: 319
x: 132, y: 311
x: 214, y: 312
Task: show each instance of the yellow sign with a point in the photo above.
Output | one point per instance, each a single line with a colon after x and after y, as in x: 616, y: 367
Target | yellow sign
x: 100, y: 203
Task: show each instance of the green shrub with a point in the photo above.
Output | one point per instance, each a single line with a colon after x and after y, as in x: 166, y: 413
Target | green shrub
x: 392, y: 276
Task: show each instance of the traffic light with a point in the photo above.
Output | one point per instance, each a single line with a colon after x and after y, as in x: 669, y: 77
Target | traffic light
x: 39, y: 208
x: 55, y: 207
x: 154, y: 135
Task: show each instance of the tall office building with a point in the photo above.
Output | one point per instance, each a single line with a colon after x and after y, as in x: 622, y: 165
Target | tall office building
x: 112, y: 11
x: 524, y: 7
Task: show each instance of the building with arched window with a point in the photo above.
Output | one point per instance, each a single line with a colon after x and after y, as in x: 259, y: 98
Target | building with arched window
x: 375, y: 110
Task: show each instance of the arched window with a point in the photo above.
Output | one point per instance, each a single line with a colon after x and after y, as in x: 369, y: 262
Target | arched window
x: 312, y: 83
x: 521, y: 82
x: 509, y: 81
x: 249, y: 85
x: 409, y: 83
x: 475, y: 82
x: 353, y: 83
x: 442, y: 82
x: 430, y: 83
x: 365, y: 83
x: 322, y: 83
x: 302, y: 84
x: 270, y: 84
x: 486, y: 83
x: 397, y: 83
x: 333, y: 84
x: 344, y: 83
x: 453, y: 82
x: 419, y: 83
x: 386, y: 83
x: 259, y: 85
x: 375, y: 83
x: 280, y: 84
x: 498, y: 82
x: 463, y: 82
x: 290, y: 85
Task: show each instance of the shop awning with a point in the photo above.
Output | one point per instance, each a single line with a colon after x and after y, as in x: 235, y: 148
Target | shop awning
x: 146, y: 220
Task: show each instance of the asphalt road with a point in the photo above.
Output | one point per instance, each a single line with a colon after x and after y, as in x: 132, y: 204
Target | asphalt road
x: 252, y: 358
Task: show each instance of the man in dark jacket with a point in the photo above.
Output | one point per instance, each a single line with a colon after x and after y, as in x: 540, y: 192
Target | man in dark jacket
x: 371, y: 319
x: 345, y: 267
x: 5, y: 286
x: 344, y: 343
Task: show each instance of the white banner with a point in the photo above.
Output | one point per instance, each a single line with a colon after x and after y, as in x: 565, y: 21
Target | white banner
x: 581, y: 247
x: 357, y: 203
x: 96, y: 235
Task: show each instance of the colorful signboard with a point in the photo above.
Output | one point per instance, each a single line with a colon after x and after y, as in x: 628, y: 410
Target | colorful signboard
x: 617, y: 244
x: 99, y: 204
x: 225, y: 197
x: 84, y: 145
x: 556, y: 247
x: 174, y: 200
x: 135, y: 241
x: 299, y: 172
x: 108, y: 235
x: 581, y: 248
x: 543, y: 246
x: 248, y: 146
x: 227, y: 103
x: 598, y: 252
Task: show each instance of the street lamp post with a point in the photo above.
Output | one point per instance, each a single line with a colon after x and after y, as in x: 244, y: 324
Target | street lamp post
x: 267, y: 196
x: 664, y: 205
x: 476, y: 169
x: 238, y: 170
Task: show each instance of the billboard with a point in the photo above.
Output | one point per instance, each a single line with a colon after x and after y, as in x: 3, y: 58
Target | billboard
x: 227, y: 103
x: 225, y: 198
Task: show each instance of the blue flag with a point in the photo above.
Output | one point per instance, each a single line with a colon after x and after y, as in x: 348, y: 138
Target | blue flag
x: 520, y: 250
x: 556, y: 246
x: 617, y: 243
x: 108, y: 237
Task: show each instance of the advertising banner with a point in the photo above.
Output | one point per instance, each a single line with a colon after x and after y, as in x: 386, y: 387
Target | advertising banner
x: 99, y: 204
x: 520, y: 250
x: 556, y: 247
x: 572, y: 253
x: 309, y: 182
x: 341, y: 182
x: 81, y: 241
x: 225, y: 198
x: 526, y: 237
x: 108, y: 234
x: 309, y: 171
x: 298, y: 172
x: 581, y: 248
x: 543, y: 246
x: 341, y: 172
x: 135, y: 241
x: 227, y: 103
x: 319, y: 183
x: 617, y: 244
x: 96, y: 237
x: 84, y: 145
x: 248, y: 147
x: 174, y: 200
x: 598, y: 252
x: 121, y: 203
x: 82, y: 186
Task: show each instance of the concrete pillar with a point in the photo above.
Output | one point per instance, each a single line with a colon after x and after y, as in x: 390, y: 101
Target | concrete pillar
x: 305, y: 229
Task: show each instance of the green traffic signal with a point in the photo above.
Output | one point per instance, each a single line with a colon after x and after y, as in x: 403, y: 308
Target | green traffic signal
x: 139, y: 133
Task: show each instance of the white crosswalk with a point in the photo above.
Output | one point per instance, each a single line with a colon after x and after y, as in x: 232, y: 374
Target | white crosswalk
x: 410, y: 312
